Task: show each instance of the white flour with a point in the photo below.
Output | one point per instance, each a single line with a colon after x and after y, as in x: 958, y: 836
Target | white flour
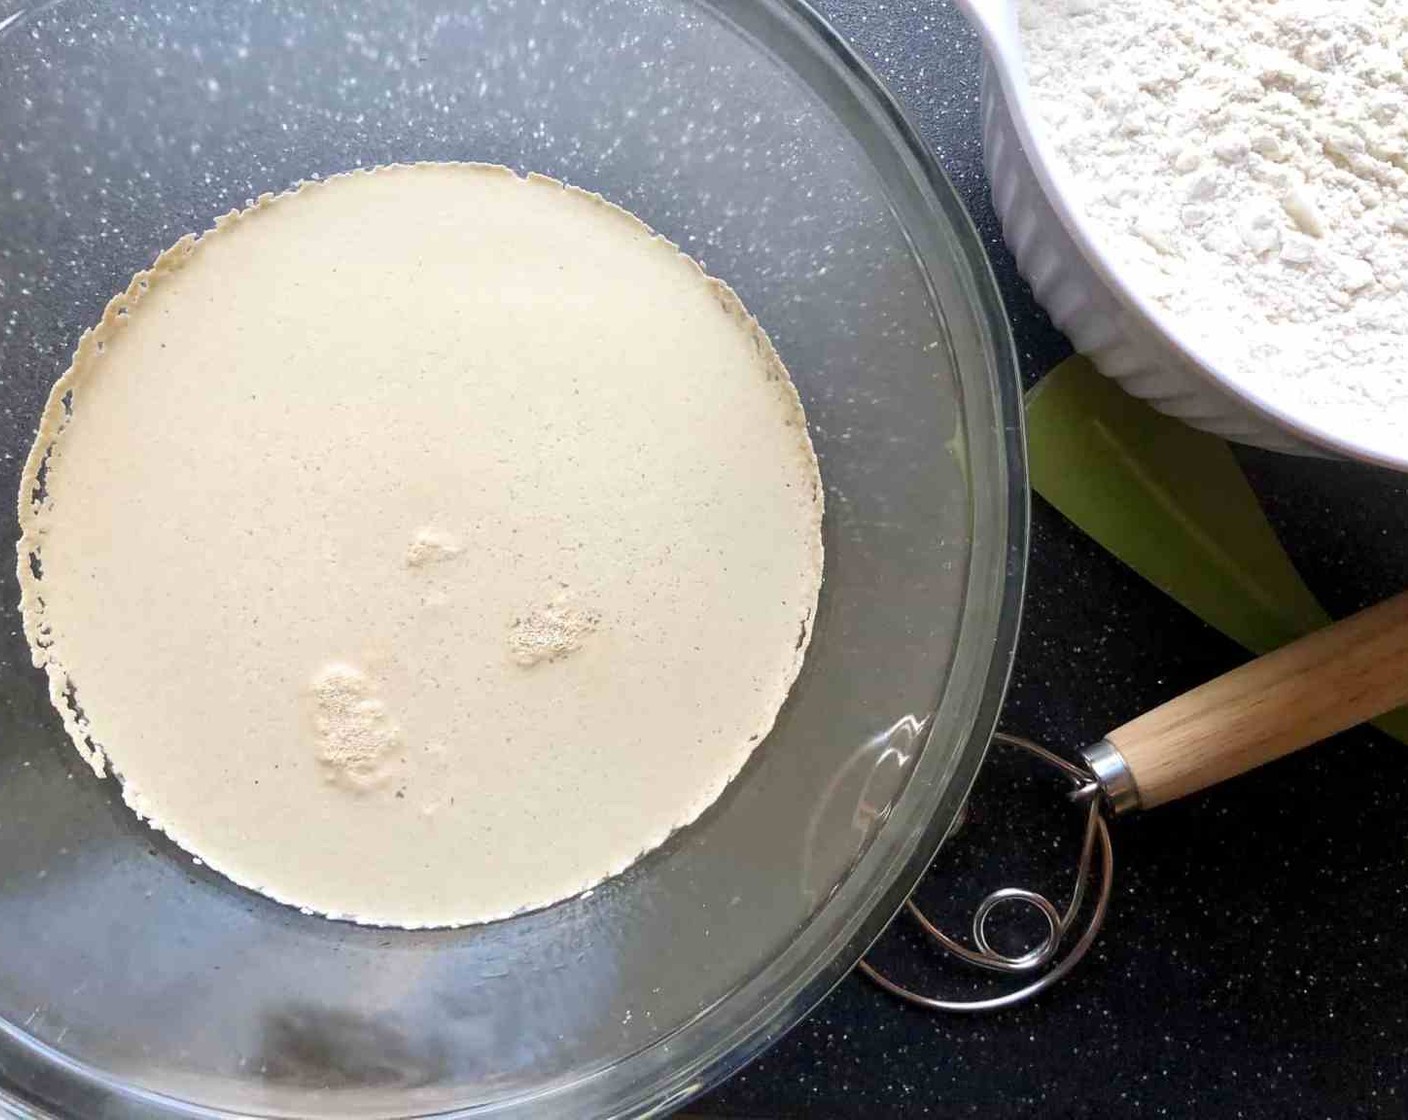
x: 1247, y: 160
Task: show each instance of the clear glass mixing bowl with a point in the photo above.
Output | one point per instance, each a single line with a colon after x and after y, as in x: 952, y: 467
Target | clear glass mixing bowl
x: 135, y: 983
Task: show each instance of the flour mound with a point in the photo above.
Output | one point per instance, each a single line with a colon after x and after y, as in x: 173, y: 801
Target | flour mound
x: 1246, y: 162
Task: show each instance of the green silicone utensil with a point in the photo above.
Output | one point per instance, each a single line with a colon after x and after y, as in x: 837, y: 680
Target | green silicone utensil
x: 1174, y: 505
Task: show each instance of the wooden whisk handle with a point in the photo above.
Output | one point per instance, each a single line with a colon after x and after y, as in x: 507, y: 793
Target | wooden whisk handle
x: 1304, y: 692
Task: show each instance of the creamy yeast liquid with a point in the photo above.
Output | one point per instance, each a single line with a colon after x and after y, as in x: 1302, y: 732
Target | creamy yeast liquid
x: 422, y: 545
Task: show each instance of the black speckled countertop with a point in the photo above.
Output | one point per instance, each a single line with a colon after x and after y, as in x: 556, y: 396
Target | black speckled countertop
x: 1251, y: 963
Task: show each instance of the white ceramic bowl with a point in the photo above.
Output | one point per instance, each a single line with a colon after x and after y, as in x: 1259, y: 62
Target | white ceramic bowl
x: 1085, y: 292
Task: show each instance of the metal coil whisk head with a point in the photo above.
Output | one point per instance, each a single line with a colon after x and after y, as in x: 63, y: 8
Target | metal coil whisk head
x: 1061, y: 949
